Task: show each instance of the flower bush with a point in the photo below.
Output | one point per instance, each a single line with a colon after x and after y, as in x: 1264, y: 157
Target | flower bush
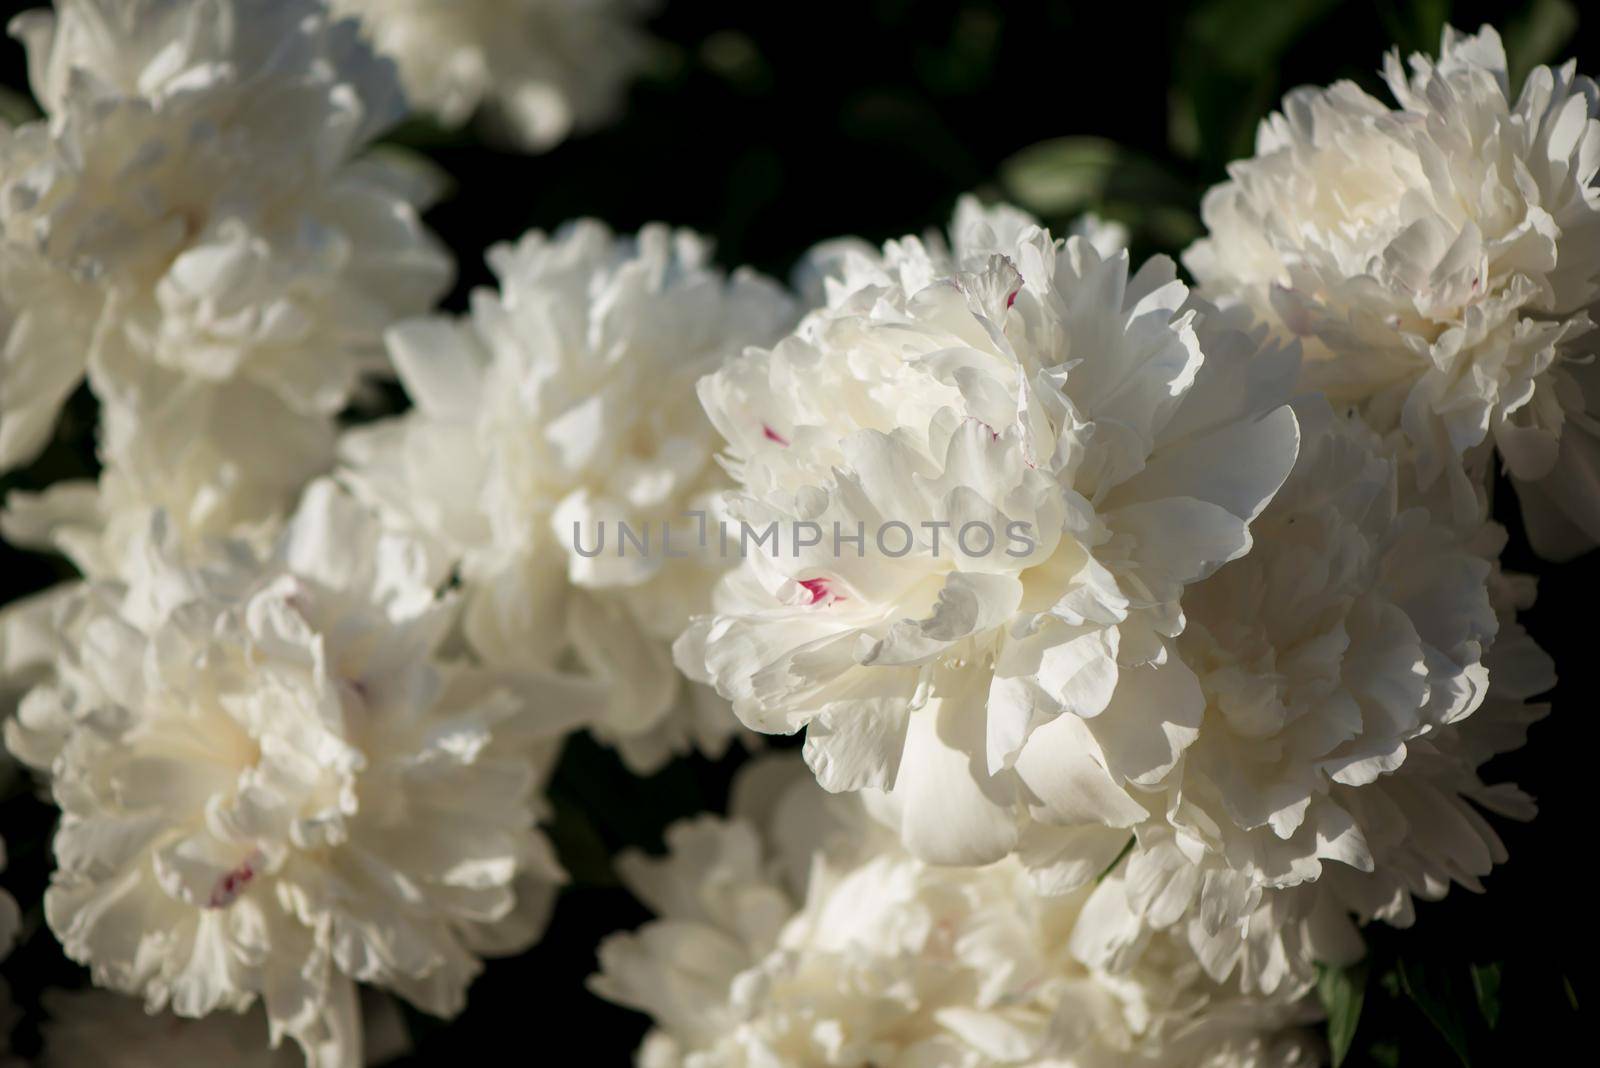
x: 1098, y: 630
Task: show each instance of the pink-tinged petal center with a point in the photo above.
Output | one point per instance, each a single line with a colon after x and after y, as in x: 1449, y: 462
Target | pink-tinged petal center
x: 773, y: 435
x: 232, y: 883
x: 821, y: 591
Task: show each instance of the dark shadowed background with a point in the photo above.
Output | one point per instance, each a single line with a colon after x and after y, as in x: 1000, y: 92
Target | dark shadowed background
x: 771, y: 126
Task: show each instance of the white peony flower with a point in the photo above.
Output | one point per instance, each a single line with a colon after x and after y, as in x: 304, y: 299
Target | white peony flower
x: 274, y: 785
x: 543, y: 68
x: 809, y: 937
x: 1359, y: 665
x: 193, y: 204
x: 1036, y: 455
x: 112, y: 1031
x: 224, y: 461
x: 1437, y: 260
x: 1353, y: 628
x: 561, y: 408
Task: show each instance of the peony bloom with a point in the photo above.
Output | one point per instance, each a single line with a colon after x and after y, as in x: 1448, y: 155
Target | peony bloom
x: 194, y: 208
x: 560, y: 409
x: 112, y: 1031
x: 224, y: 461
x: 543, y: 68
x: 803, y: 935
x: 274, y: 784
x: 1359, y: 665
x: 1034, y: 455
x: 1436, y: 259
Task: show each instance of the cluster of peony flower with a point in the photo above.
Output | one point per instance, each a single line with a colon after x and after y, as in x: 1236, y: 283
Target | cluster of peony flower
x: 1147, y: 639
x: 1240, y: 646
x: 1249, y: 641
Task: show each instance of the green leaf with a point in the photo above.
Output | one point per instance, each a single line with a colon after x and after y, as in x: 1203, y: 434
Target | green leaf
x: 423, y: 134
x: 1342, y: 992
x: 1385, y: 1054
x: 1249, y: 36
x: 1538, y: 36
x: 582, y: 850
x: 1167, y: 227
x: 1435, y: 992
x: 1486, y: 984
x: 736, y: 59
x: 16, y: 108
x: 1415, y: 26
x: 1068, y: 175
x: 1126, y: 849
x: 1230, y: 72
